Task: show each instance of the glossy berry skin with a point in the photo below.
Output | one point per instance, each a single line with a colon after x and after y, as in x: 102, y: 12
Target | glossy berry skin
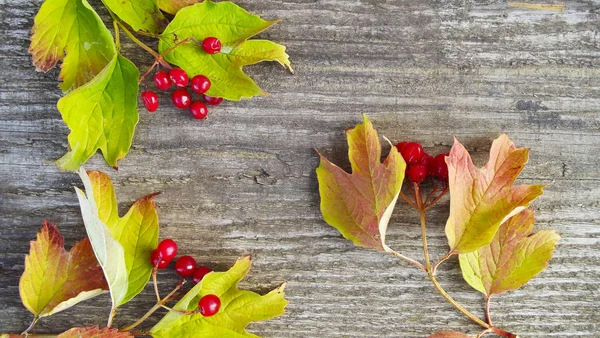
x: 211, y: 45
x: 199, y: 273
x: 439, y: 168
x: 209, y: 305
x: 417, y: 173
x: 200, y: 84
x: 161, y: 80
x: 185, y: 266
x: 157, y: 261
x: 181, y: 98
x: 167, y: 249
x: 401, y: 146
x: 198, y: 110
x: 412, y: 152
x: 179, y: 77
x: 150, y: 100
x: 213, y: 101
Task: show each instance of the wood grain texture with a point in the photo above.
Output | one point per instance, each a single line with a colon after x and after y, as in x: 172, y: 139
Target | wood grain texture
x: 243, y: 181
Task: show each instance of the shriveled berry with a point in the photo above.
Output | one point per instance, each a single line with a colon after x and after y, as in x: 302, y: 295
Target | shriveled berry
x: 412, y: 152
x: 200, y: 84
x: 181, y: 98
x: 157, y: 260
x: 198, y: 110
x: 199, y: 273
x: 161, y: 80
x: 150, y: 100
x: 417, y: 173
x: 185, y: 266
x: 439, y: 168
x: 401, y: 146
x: 209, y: 305
x: 211, y: 45
x: 179, y: 77
x: 167, y: 249
x: 213, y: 101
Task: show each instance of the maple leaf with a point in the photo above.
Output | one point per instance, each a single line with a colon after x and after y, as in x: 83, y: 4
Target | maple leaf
x: 360, y: 204
x: 70, y: 26
x: 232, y: 25
x: 449, y: 334
x: 173, y: 6
x: 55, y: 279
x: 101, y: 114
x: 238, y: 307
x: 94, y: 332
x: 482, y: 199
x: 121, y: 244
x: 511, y: 259
x: 141, y: 15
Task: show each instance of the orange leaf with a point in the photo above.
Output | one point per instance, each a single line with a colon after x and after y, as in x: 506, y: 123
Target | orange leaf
x: 94, y: 332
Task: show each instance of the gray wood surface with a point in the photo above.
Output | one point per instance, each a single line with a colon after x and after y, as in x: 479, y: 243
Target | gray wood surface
x: 243, y: 181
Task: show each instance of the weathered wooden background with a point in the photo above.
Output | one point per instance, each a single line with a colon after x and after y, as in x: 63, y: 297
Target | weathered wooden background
x: 243, y: 181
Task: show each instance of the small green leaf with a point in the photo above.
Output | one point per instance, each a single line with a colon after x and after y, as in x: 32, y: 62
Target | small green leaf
x: 238, y: 307
x: 101, y: 114
x: 74, y: 28
x: 141, y: 15
x: 232, y: 25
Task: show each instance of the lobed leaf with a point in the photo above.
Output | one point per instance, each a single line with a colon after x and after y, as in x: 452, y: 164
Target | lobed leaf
x: 70, y: 27
x: 232, y: 25
x: 55, y: 279
x: 512, y: 258
x: 360, y: 204
x: 173, y: 6
x: 101, y: 114
x: 94, y: 332
x: 482, y: 199
x: 141, y: 15
x: 238, y: 307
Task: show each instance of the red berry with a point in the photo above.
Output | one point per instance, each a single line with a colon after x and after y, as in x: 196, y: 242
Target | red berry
x: 211, y: 45
x: 401, y: 146
x: 181, y: 98
x: 199, y: 110
x: 179, y: 77
x: 426, y: 160
x: 167, y: 249
x: 161, y: 80
x: 200, y: 84
x: 412, y: 152
x: 439, y: 168
x: 150, y: 100
x: 209, y: 305
x: 213, y: 101
x: 157, y: 261
x: 199, y: 273
x: 417, y: 173
x: 185, y: 266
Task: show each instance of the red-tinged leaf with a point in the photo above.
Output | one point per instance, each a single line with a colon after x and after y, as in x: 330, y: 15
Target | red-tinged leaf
x: 360, y: 204
x: 173, y: 6
x: 512, y: 258
x: 94, y: 332
x: 482, y: 199
x: 55, y: 279
x: 450, y: 334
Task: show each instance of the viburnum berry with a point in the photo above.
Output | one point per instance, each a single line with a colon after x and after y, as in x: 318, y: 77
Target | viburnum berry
x: 199, y: 273
x: 211, y: 45
x: 181, y: 98
x: 401, y: 146
x: 185, y: 266
x: 157, y: 260
x: 213, y: 101
x: 426, y: 160
x: 198, y: 110
x: 150, y: 100
x: 209, y: 305
x: 167, y: 249
x: 439, y: 168
x: 179, y: 77
x: 412, y: 152
x: 161, y: 80
x: 200, y: 84
x: 417, y: 173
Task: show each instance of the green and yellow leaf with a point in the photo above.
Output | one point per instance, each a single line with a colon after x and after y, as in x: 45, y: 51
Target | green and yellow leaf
x: 482, y: 199
x: 94, y: 332
x: 238, y: 307
x: 173, y: 6
x: 512, y: 258
x: 55, y: 279
x: 360, y: 204
x: 101, y: 114
x: 233, y: 26
x: 71, y: 27
x: 141, y: 15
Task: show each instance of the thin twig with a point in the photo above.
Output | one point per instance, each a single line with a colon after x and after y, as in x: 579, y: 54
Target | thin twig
x: 405, y: 198
x: 487, y: 310
x: 443, y: 259
x: 436, y: 199
x: 33, y: 322
x: 410, y: 260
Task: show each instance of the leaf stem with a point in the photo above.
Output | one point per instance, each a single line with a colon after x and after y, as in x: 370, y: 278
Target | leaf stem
x: 410, y: 260
x: 432, y: 203
x: 111, y: 316
x: 143, y: 318
x: 137, y: 41
x: 117, y: 37
x: 442, y: 260
x: 33, y: 322
x: 405, y: 198
x: 421, y: 208
x: 487, y: 310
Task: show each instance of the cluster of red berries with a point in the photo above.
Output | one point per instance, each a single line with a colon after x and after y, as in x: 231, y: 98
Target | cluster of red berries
x: 181, y: 97
x: 185, y: 266
x: 421, y: 165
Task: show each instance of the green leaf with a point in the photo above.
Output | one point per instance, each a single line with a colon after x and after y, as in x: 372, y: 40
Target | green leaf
x: 173, y: 6
x: 360, y: 204
x: 74, y: 28
x: 94, y: 332
x: 511, y: 259
x: 101, y: 114
x: 141, y: 15
x: 238, y: 307
x: 233, y: 26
